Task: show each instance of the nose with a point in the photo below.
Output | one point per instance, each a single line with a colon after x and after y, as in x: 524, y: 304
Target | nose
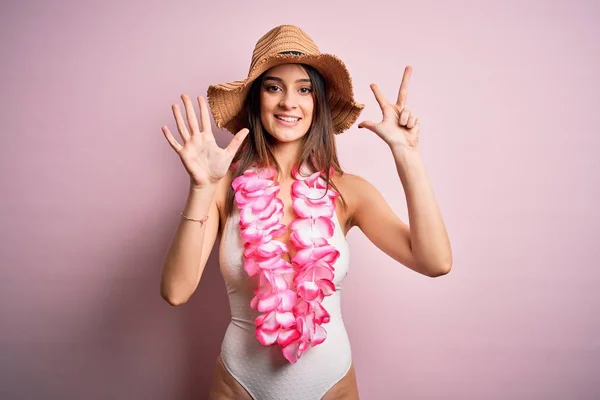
x: 288, y: 100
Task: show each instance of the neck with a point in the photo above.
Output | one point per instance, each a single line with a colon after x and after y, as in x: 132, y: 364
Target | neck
x: 287, y: 154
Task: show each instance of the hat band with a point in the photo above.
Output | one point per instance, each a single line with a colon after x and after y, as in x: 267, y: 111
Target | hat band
x: 296, y: 53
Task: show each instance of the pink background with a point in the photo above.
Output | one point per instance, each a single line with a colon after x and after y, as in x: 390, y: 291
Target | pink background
x: 507, y: 93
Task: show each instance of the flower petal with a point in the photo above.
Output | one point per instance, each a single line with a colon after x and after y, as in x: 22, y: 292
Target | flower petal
x: 319, y: 335
x: 266, y: 338
x: 287, y: 336
x: 288, y: 299
x: 270, y: 303
x: 285, y: 319
x: 308, y: 290
x: 290, y: 352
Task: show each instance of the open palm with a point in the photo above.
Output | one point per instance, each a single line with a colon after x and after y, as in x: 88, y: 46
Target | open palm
x: 203, y: 159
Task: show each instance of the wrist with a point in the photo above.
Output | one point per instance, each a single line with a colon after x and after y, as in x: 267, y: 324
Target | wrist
x: 201, y: 220
x: 201, y: 195
x: 404, y: 152
x: 409, y: 163
x: 203, y: 188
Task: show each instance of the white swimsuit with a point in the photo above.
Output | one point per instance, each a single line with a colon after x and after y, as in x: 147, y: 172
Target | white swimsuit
x: 261, y: 370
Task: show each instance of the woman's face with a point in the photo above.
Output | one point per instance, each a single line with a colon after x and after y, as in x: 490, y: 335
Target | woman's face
x: 286, y: 102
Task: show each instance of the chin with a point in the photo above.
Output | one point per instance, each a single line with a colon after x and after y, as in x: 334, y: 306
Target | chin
x: 285, y: 135
x: 288, y: 136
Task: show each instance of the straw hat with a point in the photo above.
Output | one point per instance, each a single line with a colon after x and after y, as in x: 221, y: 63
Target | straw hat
x: 281, y: 45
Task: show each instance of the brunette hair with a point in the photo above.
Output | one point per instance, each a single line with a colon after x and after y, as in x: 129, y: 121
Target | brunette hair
x: 318, y: 145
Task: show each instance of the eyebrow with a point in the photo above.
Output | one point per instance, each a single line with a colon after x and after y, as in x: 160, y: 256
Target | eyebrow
x: 274, y: 78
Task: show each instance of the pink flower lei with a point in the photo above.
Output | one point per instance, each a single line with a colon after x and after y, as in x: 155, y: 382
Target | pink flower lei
x: 288, y: 295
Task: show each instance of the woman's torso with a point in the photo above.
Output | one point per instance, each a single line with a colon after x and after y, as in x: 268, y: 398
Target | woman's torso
x: 263, y: 371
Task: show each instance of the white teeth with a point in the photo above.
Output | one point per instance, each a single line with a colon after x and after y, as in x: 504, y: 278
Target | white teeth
x: 287, y: 119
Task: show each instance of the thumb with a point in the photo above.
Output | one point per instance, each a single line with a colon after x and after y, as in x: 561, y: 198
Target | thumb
x: 370, y: 125
x: 237, y: 141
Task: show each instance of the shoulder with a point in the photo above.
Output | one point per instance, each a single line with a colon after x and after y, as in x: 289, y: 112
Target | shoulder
x: 351, y: 181
x: 356, y: 191
x: 354, y: 185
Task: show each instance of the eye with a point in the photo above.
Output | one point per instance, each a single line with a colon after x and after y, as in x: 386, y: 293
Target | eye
x: 271, y: 88
x: 306, y: 90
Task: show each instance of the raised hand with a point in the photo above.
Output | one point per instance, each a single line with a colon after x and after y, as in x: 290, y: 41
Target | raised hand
x: 202, y: 157
x: 399, y: 127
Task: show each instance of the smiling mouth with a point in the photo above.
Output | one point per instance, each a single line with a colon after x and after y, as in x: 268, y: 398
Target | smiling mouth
x: 287, y: 119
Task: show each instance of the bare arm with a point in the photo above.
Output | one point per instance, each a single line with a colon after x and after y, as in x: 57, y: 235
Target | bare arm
x: 206, y: 164
x: 191, y: 247
x: 374, y: 217
x: 428, y: 237
x: 425, y: 246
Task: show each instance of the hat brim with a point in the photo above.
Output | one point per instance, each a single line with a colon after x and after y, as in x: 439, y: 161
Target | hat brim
x: 226, y: 100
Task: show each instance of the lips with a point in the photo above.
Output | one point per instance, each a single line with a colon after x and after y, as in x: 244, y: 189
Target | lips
x: 287, y: 118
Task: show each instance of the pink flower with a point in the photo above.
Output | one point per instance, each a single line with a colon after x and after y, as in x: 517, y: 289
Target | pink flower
x: 308, y: 232
x: 288, y: 295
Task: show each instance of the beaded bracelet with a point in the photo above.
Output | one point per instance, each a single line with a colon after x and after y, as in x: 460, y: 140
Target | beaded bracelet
x: 202, y: 221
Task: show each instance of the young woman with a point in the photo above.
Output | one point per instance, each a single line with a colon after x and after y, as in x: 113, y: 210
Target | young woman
x: 282, y: 206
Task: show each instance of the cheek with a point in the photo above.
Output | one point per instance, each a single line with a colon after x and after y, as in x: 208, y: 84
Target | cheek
x: 308, y: 110
x: 267, y: 104
x: 264, y: 111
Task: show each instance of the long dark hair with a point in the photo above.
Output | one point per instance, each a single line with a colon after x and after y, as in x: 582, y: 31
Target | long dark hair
x: 319, y: 152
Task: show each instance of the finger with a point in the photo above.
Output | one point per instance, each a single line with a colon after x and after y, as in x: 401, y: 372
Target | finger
x: 180, y: 123
x: 402, y: 92
x: 404, y: 116
x: 190, y: 113
x: 379, y: 95
x: 417, y: 126
x: 237, y: 141
x: 174, y: 143
x: 370, y: 125
x: 204, y: 117
x: 411, y: 121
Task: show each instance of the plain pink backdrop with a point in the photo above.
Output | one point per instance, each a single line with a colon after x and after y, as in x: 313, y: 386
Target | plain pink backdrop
x: 508, y: 96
